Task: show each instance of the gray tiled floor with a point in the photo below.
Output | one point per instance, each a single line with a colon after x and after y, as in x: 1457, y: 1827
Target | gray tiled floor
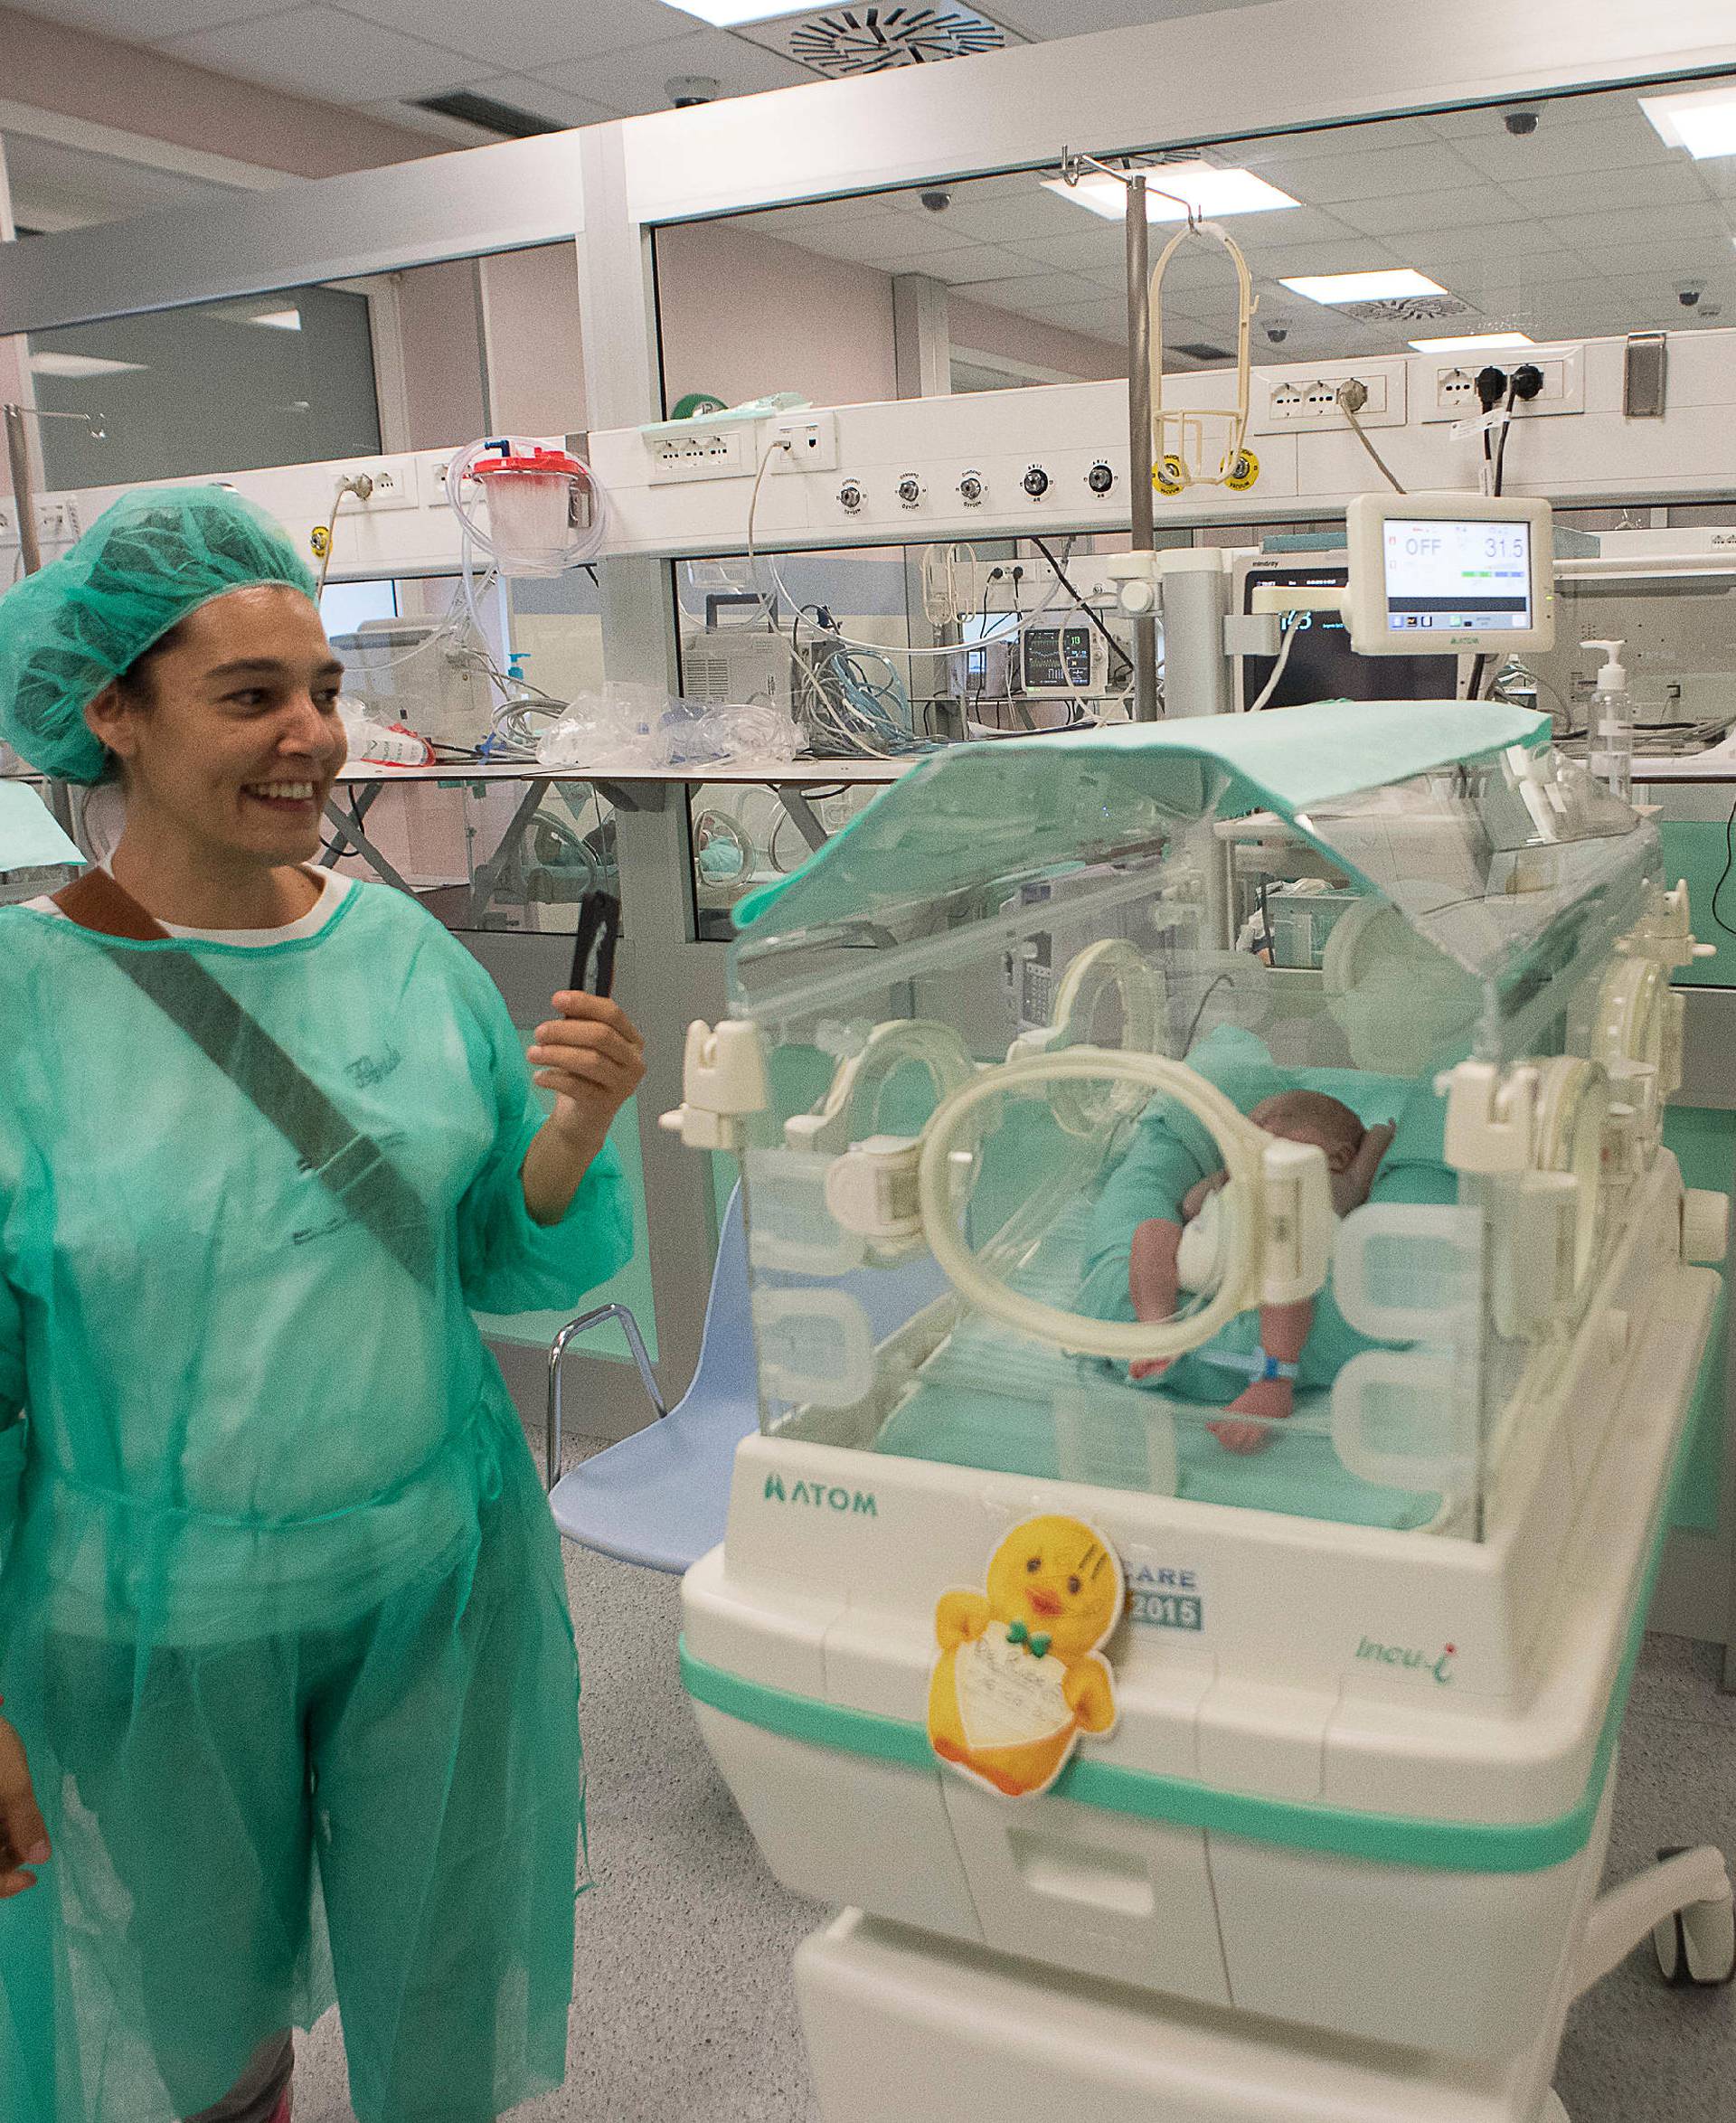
x: 683, y: 2012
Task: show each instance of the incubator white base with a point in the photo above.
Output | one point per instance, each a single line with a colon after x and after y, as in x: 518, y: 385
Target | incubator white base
x: 903, y: 2027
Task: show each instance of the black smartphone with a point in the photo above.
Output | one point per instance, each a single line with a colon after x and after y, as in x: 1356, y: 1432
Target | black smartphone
x: 593, y: 947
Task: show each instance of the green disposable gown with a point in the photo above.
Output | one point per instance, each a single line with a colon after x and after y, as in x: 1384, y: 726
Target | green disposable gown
x: 282, y: 1618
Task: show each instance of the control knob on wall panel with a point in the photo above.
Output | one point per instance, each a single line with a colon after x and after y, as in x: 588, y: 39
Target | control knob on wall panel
x: 1099, y: 479
x: 850, y: 495
x: 1036, y: 482
x: 910, y: 490
x: 970, y: 490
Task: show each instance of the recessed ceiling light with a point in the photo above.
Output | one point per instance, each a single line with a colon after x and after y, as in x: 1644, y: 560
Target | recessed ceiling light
x: 1703, y: 122
x: 1474, y: 343
x: 1375, y: 287
x: 1210, y: 191
x: 78, y: 364
x: 278, y: 320
x: 725, y: 14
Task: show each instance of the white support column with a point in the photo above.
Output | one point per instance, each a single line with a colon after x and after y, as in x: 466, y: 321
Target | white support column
x: 668, y: 977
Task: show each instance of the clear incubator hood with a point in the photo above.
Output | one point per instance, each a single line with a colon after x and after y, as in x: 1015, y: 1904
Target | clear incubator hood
x: 1030, y: 1001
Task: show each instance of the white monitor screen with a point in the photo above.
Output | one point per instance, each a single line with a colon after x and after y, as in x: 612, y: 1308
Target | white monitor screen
x: 1447, y: 574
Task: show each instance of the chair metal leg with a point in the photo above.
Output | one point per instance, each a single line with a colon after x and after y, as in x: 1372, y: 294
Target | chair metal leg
x: 558, y: 1348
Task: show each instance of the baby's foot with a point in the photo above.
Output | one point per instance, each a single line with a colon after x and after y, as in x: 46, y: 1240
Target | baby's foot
x: 1240, y: 1436
x: 1270, y: 1399
x: 1150, y: 1367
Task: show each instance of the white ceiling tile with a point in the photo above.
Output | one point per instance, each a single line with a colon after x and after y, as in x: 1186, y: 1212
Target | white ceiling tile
x: 1615, y: 138
x: 1046, y: 19
x: 1088, y: 250
x: 1409, y: 213
x: 798, y: 223
x: 1467, y: 244
x: 1673, y: 225
x: 959, y: 268
x: 520, y: 36
x: 139, y: 21
x: 1653, y: 297
x: 1660, y: 184
x: 1036, y: 291
x: 1488, y: 120
x: 1614, y: 261
x: 1285, y: 225
x: 873, y: 238
x: 1344, y: 254
x: 541, y: 98
x: 1022, y: 211
x: 1326, y: 180
x: 1386, y: 135
x: 320, y: 53
x: 633, y: 81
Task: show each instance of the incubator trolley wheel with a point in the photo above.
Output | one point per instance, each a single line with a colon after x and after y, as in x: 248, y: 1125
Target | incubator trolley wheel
x: 1696, y: 1946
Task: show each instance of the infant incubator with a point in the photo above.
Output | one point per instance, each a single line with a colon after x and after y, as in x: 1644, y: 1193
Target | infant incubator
x: 1335, y: 1847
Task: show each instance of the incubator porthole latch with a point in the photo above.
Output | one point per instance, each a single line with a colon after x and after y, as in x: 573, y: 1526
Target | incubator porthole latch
x: 723, y: 1081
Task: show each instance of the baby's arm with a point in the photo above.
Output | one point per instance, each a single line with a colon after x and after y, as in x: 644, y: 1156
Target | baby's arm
x: 1200, y: 1193
x: 1283, y: 1330
x: 1152, y: 1282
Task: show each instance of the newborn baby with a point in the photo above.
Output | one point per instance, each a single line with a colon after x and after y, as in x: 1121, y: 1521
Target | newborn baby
x: 1169, y: 1256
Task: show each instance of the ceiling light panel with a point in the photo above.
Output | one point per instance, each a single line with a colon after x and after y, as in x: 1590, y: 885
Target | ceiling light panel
x: 79, y: 364
x: 1208, y: 191
x: 1704, y: 121
x: 726, y: 14
x: 1387, y: 284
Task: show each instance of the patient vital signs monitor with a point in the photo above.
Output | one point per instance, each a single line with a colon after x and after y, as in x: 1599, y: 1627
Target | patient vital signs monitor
x: 1450, y: 572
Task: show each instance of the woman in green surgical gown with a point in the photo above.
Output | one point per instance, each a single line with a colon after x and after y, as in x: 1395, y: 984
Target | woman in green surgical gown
x: 284, y: 1642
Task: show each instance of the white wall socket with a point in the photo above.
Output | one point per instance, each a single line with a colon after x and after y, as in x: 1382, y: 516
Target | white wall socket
x: 394, y: 483
x: 702, y: 452
x: 1289, y: 400
x: 813, y: 440
x: 1448, y: 387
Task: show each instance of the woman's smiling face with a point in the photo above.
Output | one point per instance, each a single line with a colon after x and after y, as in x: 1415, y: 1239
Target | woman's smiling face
x: 232, y: 737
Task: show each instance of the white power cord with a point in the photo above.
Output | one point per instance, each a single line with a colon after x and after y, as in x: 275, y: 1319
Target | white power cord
x: 1352, y: 397
x: 1271, y: 685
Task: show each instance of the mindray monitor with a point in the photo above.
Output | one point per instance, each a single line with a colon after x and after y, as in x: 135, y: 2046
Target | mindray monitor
x: 1449, y: 573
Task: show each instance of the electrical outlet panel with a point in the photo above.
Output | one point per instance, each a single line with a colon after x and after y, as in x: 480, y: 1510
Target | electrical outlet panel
x: 57, y: 522
x: 1285, y: 400
x: 812, y: 439
x: 703, y: 452
x: 8, y: 524
x: 394, y: 484
x: 1448, y: 387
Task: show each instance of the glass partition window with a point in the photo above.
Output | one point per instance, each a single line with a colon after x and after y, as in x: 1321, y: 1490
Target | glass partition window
x: 216, y: 387
x: 1560, y: 217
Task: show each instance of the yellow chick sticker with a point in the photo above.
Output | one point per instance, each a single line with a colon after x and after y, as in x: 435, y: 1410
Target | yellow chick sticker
x: 1020, y: 1673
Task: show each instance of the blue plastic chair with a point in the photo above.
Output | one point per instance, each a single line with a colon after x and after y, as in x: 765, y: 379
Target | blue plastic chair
x: 660, y: 1497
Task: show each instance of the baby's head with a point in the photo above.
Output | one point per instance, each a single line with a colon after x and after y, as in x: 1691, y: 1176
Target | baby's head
x: 1311, y: 1117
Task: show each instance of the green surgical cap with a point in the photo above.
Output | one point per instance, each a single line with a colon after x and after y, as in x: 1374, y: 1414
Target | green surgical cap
x: 68, y: 630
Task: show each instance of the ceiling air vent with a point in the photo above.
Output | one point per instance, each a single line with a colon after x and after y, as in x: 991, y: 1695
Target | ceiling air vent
x: 1197, y: 350
x: 840, y: 42
x: 1404, y: 309
x: 505, y: 119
